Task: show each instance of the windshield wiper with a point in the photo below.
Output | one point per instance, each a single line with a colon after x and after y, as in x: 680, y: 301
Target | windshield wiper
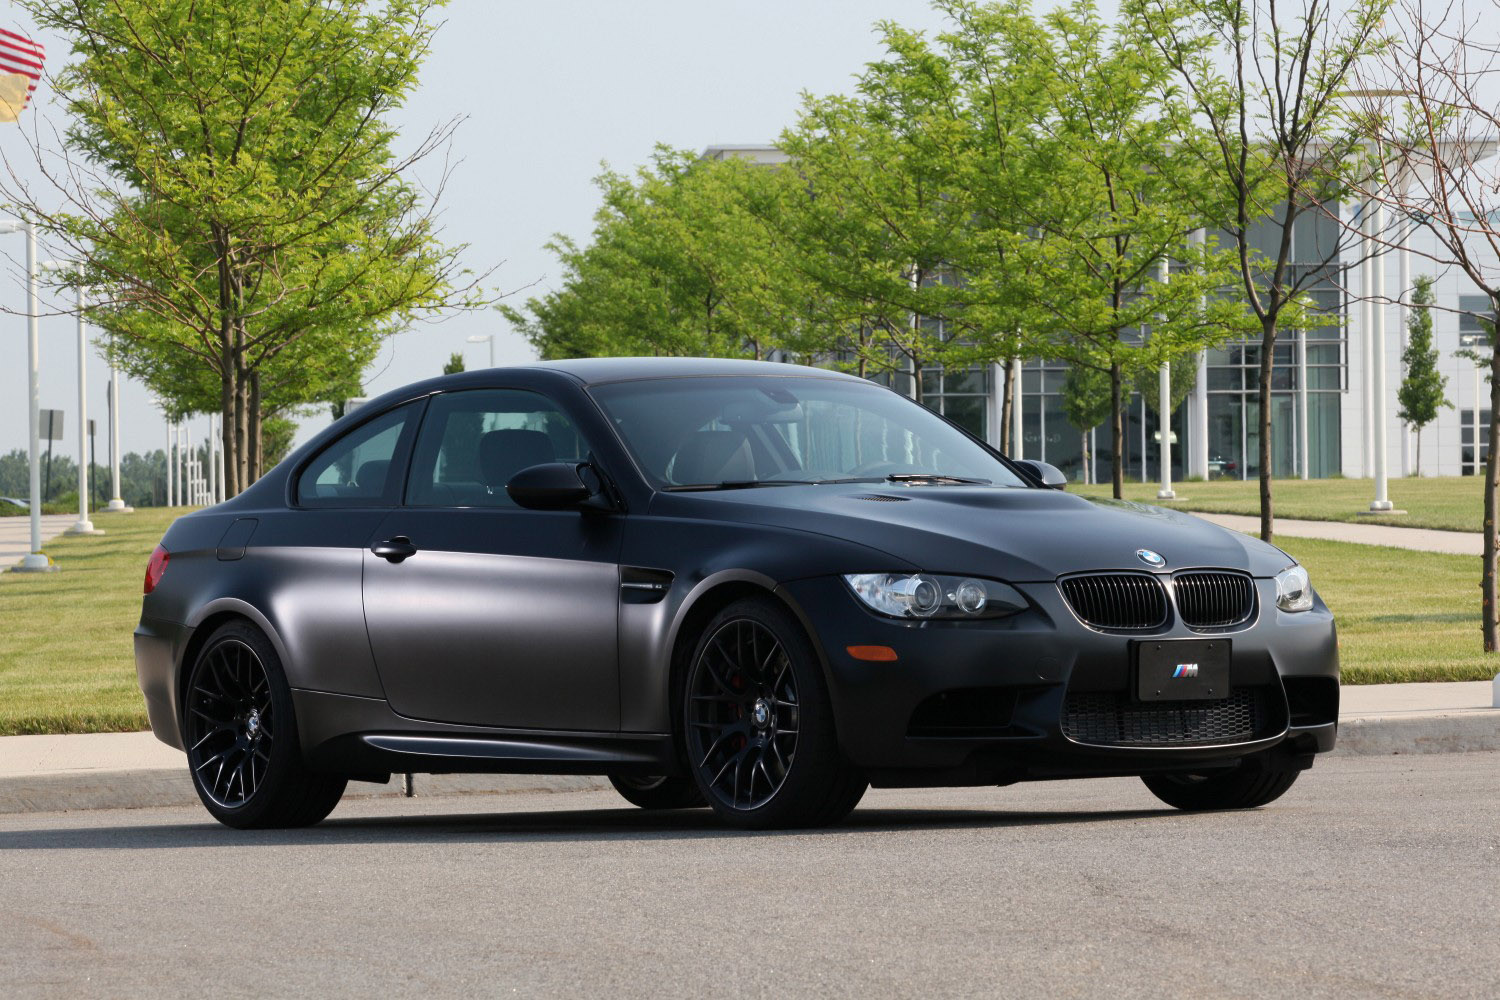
x: 933, y: 477
x: 740, y: 484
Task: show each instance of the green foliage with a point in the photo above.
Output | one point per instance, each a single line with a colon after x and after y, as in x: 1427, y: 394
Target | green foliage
x: 276, y: 436
x: 1085, y: 397
x: 1421, y: 394
x: 454, y: 364
x: 245, y: 224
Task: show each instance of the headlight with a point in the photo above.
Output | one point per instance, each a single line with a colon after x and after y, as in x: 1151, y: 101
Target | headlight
x: 924, y: 595
x: 1293, y: 590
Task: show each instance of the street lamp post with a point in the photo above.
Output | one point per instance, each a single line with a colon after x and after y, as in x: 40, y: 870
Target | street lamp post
x: 34, y: 561
x: 486, y: 338
x: 116, y: 502
x: 83, y: 526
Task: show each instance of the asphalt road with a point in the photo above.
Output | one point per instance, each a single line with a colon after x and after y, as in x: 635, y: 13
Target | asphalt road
x: 1372, y: 877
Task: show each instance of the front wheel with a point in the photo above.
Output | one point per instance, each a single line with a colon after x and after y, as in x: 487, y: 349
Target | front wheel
x: 758, y: 725
x: 241, y: 737
x: 1253, y: 783
x: 658, y: 791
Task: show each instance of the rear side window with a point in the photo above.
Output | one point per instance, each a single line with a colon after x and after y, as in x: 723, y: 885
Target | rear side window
x: 473, y: 442
x: 360, y: 468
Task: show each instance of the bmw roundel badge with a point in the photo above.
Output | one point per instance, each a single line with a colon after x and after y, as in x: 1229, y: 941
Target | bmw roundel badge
x: 1150, y: 558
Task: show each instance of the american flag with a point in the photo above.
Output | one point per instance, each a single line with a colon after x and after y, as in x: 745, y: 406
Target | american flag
x: 20, y: 69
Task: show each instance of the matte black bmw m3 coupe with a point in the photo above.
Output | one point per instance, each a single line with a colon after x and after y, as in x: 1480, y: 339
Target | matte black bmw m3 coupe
x: 756, y: 587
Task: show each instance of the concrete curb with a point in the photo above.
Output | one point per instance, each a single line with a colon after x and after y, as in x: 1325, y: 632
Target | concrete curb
x: 1421, y: 732
x: 1428, y: 732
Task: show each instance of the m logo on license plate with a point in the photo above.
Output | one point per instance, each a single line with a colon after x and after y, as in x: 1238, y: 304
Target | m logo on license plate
x: 1186, y: 670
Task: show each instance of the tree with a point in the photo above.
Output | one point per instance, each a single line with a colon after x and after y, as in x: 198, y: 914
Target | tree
x: 1098, y: 243
x: 1262, y: 85
x: 1086, y: 401
x: 678, y: 264
x: 1422, y: 391
x: 455, y: 363
x: 232, y: 191
x: 1436, y: 166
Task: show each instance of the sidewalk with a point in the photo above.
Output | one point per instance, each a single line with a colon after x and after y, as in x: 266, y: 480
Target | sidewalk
x: 15, y: 535
x: 1460, y: 543
x: 135, y: 770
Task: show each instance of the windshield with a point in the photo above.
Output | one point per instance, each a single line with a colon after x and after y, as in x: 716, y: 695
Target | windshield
x: 755, y: 430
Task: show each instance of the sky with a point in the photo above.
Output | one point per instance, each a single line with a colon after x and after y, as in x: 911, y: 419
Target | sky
x: 549, y: 91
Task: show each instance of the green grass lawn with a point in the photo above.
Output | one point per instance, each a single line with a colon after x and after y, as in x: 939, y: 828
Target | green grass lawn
x: 66, y: 659
x: 66, y: 662
x: 1450, y: 503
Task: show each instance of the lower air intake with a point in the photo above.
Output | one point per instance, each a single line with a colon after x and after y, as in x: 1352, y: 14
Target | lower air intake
x: 1110, y: 718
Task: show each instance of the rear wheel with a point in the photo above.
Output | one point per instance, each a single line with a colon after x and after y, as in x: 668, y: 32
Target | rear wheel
x: 241, y: 737
x: 758, y: 725
x: 1253, y: 783
x: 659, y: 791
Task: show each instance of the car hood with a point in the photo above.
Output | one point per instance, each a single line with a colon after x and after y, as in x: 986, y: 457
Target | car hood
x: 1021, y: 535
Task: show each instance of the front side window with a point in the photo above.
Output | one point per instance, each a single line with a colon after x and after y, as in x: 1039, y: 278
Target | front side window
x: 473, y: 442
x: 356, y: 470
x: 743, y: 430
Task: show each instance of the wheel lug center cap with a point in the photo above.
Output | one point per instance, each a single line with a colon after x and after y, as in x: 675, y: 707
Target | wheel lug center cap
x: 760, y: 713
x: 252, y: 725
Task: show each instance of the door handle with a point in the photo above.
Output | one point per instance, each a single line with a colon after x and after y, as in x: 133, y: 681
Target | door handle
x: 394, y: 549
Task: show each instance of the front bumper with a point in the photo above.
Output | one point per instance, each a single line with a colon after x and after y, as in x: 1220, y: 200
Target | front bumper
x: 1008, y: 682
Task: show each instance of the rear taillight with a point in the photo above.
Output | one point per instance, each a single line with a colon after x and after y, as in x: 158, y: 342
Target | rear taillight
x: 156, y: 567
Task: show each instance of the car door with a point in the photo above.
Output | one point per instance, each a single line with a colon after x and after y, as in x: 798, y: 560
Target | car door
x: 499, y: 616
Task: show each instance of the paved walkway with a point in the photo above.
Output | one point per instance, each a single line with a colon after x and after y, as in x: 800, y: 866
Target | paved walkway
x: 15, y: 535
x: 1460, y: 543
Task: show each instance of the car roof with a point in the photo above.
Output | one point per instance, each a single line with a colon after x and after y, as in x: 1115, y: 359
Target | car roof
x: 593, y: 371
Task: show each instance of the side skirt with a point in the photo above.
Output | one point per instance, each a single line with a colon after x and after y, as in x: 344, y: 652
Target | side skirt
x: 356, y: 736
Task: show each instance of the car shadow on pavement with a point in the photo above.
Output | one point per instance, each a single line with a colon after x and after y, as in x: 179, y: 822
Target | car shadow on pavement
x: 561, y: 825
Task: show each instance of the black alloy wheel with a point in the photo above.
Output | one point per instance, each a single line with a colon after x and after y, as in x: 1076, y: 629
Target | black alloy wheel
x: 231, y: 723
x: 241, y: 737
x: 658, y: 791
x: 758, y: 731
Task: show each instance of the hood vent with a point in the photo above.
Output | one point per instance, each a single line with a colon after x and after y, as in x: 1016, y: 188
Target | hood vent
x: 880, y: 498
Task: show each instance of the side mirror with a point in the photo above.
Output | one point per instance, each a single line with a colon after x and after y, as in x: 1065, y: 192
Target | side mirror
x: 549, y: 486
x: 1049, y: 476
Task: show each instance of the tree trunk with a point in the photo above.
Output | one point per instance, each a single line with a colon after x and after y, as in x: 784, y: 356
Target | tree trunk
x: 1007, y: 401
x: 1116, y: 432
x: 1084, y: 437
x: 1267, y: 355
x: 252, y: 436
x: 241, y: 431
x: 1418, y: 470
x: 1491, y: 480
x: 226, y: 425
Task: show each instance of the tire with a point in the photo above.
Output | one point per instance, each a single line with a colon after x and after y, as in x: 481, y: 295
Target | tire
x: 757, y: 723
x: 659, y: 792
x: 1254, y: 783
x: 241, y: 736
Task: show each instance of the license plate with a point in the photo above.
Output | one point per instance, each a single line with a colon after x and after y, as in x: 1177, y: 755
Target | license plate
x: 1182, y: 669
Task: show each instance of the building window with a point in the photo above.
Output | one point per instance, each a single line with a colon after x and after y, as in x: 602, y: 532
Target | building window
x: 1472, y: 321
x: 1468, y: 436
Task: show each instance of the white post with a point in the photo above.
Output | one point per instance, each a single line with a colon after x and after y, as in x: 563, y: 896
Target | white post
x: 1017, y: 425
x: 1198, y: 412
x: 116, y: 503
x: 171, y: 465
x: 1163, y: 408
x: 83, y: 526
x: 34, y: 561
x: 1304, y: 463
x: 1366, y: 321
x: 1404, y: 255
x: 1381, y: 503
